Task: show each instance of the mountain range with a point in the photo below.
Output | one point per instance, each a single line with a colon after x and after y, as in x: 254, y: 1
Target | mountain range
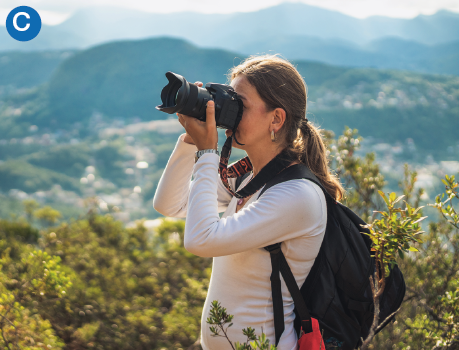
x: 386, y: 52
x: 86, y: 104
x: 95, y: 25
x: 428, y: 44
x: 123, y: 81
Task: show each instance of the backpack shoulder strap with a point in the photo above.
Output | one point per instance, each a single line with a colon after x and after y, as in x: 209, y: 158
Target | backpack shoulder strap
x: 297, y: 171
x: 280, y: 267
x: 279, y: 263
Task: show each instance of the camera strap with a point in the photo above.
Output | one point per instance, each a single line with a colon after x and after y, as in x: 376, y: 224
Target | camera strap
x: 243, y: 166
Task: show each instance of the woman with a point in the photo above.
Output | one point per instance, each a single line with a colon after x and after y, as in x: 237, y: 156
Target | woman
x: 292, y: 212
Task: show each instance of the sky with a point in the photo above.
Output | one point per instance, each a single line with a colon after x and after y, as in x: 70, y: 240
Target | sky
x: 56, y: 11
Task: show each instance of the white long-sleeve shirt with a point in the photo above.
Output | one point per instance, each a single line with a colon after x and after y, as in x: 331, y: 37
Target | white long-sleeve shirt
x: 292, y: 212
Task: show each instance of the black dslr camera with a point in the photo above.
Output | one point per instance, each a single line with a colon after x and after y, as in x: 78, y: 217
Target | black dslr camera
x: 179, y: 96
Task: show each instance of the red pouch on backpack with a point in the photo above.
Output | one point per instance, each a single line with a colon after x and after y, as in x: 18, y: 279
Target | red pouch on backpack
x: 313, y: 340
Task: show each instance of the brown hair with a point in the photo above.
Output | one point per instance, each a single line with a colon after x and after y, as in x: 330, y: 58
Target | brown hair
x: 280, y: 85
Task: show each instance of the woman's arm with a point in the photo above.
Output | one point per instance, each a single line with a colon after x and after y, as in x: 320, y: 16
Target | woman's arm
x: 171, y: 195
x: 289, y: 210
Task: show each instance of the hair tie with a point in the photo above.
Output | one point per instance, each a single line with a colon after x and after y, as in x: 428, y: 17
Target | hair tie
x: 305, y: 126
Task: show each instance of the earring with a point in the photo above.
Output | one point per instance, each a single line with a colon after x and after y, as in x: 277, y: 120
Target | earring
x: 273, y: 136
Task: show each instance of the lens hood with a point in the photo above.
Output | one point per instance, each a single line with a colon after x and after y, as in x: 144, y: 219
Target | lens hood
x: 179, y: 96
x: 175, y: 91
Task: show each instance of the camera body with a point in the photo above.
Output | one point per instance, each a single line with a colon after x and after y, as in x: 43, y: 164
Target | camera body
x: 179, y: 96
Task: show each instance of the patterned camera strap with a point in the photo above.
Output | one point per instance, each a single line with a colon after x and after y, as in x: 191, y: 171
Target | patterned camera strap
x: 243, y: 166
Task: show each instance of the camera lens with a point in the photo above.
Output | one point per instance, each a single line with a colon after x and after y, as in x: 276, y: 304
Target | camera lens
x: 176, y: 97
x: 179, y: 96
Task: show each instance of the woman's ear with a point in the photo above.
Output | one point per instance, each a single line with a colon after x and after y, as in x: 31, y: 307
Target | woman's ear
x: 278, y: 119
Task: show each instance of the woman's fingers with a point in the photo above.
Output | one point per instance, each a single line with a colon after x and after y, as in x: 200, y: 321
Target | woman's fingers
x: 204, y: 134
x: 210, y: 116
x: 180, y: 119
x: 186, y: 121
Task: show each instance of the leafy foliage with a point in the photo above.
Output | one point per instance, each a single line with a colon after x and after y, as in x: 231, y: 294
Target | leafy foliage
x: 140, y: 289
x: 142, y: 293
x: 361, y: 177
x: 129, y: 289
x: 394, y: 232
x: 446, y: 207
x: 35, y: 279
x: 47, y: 215
x: 220, y: 321
x: 429, y: 315
x: 440, y: 324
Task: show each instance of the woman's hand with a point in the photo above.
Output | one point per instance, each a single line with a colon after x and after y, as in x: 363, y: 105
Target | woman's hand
x: 203, y: 134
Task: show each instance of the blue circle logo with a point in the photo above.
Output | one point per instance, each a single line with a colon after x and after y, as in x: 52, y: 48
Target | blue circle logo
x: 23, y: 23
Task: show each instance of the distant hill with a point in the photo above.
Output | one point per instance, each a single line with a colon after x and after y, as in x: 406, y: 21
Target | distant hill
x: 387, y: 52
x: 96, y: 25
x: 124, y: 79
x: 28, y: 69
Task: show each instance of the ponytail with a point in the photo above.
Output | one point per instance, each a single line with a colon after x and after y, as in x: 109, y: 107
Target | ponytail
x: 281, y: 86
x: 311, y: 151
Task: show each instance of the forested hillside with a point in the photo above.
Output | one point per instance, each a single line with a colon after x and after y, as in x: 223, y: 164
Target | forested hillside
x: 90, y: 128
x: 93, y: 283
x: 123, y: 80
x: 28, y: 69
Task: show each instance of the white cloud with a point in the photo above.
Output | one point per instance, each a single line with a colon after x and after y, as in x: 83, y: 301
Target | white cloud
x: 56, y: 11
x: 50, y: 17
x: 389, y: 8
x: 53, y: 17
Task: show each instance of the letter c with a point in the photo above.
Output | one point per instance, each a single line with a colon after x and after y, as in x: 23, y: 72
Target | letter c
x: 15, y: 21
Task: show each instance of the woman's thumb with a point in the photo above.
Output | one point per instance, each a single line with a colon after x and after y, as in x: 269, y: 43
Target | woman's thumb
x: 210, y: 114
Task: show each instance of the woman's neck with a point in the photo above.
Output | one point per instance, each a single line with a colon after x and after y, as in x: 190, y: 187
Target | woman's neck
x: 261, y: 156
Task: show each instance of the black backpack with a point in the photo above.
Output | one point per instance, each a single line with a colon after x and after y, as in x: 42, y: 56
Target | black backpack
x: 337, y: 290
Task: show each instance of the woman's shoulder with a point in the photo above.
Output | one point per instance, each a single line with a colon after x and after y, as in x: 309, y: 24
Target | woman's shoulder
x: 299, y: 204
x: 299, y: 199
x: 296, y: 190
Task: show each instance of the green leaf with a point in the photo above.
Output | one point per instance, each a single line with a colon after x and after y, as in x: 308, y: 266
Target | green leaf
x: 392, y: 196
x: 417, y: 209
x: 419, y: 220
x: 399, y: 199
x: 383, y: 195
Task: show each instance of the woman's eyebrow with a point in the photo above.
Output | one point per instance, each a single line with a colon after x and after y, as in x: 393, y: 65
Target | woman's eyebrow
x: 241, y: 96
